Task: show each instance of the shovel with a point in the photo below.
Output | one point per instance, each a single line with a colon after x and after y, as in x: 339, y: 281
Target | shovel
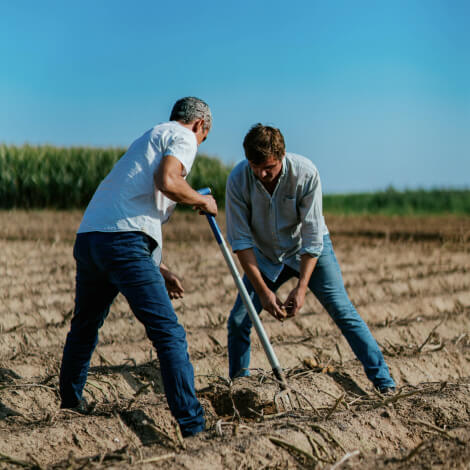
x: 273, y: 361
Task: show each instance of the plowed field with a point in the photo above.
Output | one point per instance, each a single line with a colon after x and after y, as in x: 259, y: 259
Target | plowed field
x: 408, y: 277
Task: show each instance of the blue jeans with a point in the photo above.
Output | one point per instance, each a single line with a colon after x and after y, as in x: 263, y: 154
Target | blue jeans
x: 108, y: 263
x: 327, y: 285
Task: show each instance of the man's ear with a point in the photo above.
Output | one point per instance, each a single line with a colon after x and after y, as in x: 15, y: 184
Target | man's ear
x: 198, y: 125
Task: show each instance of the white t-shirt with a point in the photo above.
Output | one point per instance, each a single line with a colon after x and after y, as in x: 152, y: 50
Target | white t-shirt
x: 127, y: 200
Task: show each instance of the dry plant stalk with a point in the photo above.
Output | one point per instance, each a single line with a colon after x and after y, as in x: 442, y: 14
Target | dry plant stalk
x: 443, y: 432
x: 21, y: 463
x: 399, y: 396
x: 292, y: 447
x: 137, y: 393
x: 420, y: 348
x: 314, y: 444
x: 333, y: 409
x: 330, y: 436
x: 346, y: 457
x: 158, y: 458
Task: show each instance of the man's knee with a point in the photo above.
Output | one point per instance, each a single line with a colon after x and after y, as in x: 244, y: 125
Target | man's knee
x: 83, y: 332
x: 168, y: 336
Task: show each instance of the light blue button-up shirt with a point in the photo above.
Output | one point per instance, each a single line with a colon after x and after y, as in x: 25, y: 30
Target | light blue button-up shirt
x: 279, y: 227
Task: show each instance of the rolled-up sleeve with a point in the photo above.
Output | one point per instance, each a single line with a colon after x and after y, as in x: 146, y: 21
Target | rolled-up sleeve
x: 237, y: 213
x: 311, y: 215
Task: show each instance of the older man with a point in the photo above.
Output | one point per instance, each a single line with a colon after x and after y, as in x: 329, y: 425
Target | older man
x: 276, y: 227
x: 118, y: 249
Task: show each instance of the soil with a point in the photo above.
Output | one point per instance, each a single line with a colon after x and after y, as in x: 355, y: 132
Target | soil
x: 408, y: 277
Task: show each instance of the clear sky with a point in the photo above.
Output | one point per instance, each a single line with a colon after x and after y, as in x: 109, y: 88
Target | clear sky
x: 375, y: 93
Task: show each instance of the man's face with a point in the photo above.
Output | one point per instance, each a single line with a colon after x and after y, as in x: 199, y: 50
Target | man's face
x: 267, y: 171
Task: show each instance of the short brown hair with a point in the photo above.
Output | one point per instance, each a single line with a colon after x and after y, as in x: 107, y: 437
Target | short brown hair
x: 262, y: 142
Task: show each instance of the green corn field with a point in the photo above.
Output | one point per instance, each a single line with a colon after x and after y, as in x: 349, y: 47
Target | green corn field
x: 407, y: 202
x: 55, y: 177
x: 33, y: 177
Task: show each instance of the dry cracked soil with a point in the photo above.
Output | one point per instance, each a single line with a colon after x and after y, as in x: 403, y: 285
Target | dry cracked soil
x: 408, y: 277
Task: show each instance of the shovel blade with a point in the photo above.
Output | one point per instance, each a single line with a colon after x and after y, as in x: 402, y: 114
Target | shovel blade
x: 287, y: 400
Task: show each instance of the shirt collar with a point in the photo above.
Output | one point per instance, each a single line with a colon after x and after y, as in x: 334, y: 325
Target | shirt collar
x: 284, y: 167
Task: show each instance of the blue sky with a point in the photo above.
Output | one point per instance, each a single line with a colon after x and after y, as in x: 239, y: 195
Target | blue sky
x: 375, y: 93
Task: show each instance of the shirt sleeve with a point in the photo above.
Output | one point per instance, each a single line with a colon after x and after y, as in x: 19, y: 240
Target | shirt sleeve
x: 311, y: 215
x: 237, y: 213
x: 184, y: 148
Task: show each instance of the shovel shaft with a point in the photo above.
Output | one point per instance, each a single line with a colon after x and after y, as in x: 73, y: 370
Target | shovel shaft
x: 273, y: 361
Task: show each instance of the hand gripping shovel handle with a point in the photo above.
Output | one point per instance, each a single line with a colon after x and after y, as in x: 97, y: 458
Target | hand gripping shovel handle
x: 273, y: 361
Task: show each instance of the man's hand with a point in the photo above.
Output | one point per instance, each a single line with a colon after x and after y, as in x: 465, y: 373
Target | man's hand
x: 268, y: 298
x: 173, y: 283
x: 273, y: 305
x: 296, y: 298
x: 207, y: 205
x: 294, y: 301
x: 174, y: 286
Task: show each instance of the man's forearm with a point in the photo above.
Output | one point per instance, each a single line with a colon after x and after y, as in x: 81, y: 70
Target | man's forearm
x: 249, y: 264
x: 180, y: 191
x: 269, y: 301
x: 307, y: 266
x: 170, y: 182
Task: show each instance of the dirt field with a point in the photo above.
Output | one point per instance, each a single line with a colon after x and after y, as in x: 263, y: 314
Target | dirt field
x: 409, y: 279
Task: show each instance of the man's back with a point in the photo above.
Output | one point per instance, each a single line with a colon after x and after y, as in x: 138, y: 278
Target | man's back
x: 126, y: 199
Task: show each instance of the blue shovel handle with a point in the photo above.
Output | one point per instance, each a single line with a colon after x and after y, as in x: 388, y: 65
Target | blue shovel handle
x: 204, y: 191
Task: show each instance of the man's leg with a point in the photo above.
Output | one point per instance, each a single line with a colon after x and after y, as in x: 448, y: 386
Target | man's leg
x: 239, y: 326
x: 93, y: 297
x: 328, y: 286
x: 139, y: 279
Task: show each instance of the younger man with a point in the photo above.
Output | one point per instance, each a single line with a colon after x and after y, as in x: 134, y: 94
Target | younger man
x: 276, y: 227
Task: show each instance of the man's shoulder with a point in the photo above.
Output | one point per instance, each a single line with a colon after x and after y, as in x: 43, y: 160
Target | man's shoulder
x: 301, y: 165
x: 300, y: 161
x: 171, y: 129
x: 240, y: 170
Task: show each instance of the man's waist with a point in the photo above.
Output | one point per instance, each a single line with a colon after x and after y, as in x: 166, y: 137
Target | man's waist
x: 146, y: 225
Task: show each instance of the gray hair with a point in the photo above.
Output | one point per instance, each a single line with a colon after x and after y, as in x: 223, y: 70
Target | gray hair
x: 189, y: 109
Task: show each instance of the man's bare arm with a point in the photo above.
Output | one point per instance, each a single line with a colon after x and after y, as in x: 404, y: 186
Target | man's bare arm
x: 169, y: 180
